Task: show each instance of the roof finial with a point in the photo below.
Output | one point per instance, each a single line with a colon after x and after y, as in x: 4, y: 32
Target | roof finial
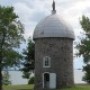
x: 53, y: 6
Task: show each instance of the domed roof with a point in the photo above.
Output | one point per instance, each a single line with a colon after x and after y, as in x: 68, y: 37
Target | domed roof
x: 53, y: 26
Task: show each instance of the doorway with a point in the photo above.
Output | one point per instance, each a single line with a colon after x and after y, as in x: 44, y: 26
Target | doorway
x: 49, y: 80
x: 46, y: 80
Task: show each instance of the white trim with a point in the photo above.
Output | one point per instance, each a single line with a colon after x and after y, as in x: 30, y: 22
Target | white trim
x: 43, y: 77
x: 45, y: 60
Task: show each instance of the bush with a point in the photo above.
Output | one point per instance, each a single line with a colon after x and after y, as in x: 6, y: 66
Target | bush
x: 31, y: 81
x: 86, y: 77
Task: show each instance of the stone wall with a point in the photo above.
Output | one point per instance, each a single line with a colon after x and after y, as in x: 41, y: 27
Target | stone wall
x: 61, y: 52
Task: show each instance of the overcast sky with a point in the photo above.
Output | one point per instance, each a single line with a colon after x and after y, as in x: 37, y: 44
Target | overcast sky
x: 31, y: 12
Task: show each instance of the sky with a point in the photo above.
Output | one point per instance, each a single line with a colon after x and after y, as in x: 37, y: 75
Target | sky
x: 30, y: 12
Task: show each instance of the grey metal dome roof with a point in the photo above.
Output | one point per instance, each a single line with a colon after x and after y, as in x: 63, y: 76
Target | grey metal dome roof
x: 53, y: 26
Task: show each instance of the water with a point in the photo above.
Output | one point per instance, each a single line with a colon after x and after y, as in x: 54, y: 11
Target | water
x: 78, y: 75
x: 16, y: 77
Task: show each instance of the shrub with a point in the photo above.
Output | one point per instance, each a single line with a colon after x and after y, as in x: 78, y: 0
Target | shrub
x: 31, y: 80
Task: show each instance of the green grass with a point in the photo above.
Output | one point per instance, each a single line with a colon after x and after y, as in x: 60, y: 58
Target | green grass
x: 18, y: 87
x: 79, y: 87
x: 29, y: 87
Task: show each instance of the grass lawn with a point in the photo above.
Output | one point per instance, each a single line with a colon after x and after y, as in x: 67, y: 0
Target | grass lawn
x: 79, y: 87
x: 18, y: 87
x: 29, y: 87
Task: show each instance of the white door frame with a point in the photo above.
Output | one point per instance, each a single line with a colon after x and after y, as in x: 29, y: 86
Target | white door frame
x: 43, y: 77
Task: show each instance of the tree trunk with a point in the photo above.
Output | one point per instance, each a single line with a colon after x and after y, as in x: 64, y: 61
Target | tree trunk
x: 0, y: 78
x: 1, y: 71
x: 1, y: 57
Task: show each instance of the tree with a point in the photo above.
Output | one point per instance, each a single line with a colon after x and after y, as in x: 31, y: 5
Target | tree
x: 31, y: 80
x: 87, y: 73
x: 29, y: 64
x: 11, y: 36
x: 84, y: 47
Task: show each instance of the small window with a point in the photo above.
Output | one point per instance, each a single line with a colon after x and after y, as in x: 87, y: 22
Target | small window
x: 46, y: 62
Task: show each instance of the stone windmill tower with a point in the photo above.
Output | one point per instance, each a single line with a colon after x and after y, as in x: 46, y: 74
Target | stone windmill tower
x: 53, y: 53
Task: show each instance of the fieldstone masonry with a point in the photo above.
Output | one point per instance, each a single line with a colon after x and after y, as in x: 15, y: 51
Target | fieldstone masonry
x: 61, y: 52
